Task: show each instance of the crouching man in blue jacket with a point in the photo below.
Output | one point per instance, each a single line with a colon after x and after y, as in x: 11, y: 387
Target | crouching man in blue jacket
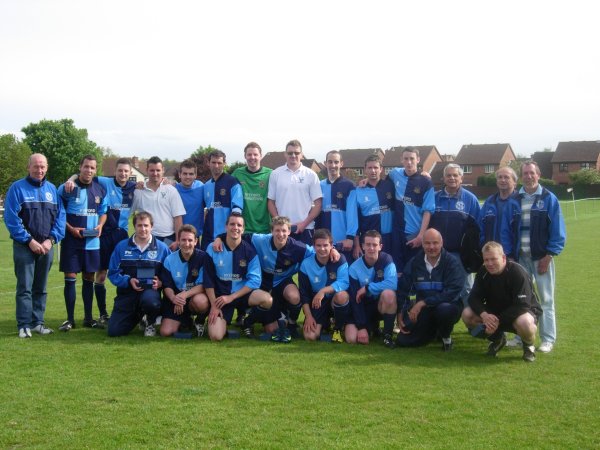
x: 134, y: 268
x: 436, y: 278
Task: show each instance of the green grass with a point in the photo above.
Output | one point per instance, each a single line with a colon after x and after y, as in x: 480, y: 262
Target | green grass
x: 83, y: 390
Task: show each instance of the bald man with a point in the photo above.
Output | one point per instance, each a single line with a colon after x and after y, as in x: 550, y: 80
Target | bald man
x: 435, y: 278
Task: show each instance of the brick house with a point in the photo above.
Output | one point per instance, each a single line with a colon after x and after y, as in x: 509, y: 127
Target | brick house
x: 544, y: 162
x: 109, y: 166
x: 483, y: 159
x: 428, y: 154
x: 570, y: 157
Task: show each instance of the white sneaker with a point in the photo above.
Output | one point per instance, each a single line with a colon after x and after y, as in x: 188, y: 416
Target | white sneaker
x: 546, y: 347
x: 158, y: 321
x: 24, y: 333
x: 514, y: 342
x: 41, y: 329
x: 150, y: 331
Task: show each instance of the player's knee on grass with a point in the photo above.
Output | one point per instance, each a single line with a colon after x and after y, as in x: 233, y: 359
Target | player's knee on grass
x: 168, y: 327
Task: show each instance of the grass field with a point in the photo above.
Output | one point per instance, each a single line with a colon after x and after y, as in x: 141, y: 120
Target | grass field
x: 83, y: 390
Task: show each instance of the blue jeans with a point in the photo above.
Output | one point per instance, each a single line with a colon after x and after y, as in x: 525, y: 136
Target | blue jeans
x: 469, y: 278
x: 31, y: 271
x: 545, y: 289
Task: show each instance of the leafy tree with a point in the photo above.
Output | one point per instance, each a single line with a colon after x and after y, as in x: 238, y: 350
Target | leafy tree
x: 200, y: 157
x: 234, y: 166
x: 14, y: 156
x: 63, y: 145
x: 585, y: 176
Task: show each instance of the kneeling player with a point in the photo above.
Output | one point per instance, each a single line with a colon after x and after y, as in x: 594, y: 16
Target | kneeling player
x: 373, y: 283
x: 232, y: 278
x: 183, y: 293
x: 323, y: 286
x: 134, y: 267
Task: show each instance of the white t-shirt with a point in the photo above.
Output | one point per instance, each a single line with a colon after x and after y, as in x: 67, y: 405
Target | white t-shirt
x: 294, y: 192
x: 164, y: 204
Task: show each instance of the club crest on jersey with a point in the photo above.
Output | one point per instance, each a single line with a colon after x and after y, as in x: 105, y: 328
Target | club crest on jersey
x: 152, y: 254
x: 164, y: 194
x: 49, y: 196
x: 388, y: 195
x: 540, y: 204
x: 417, y: 190
x: 339, y: 195
x: 97, y: 199
x: 332, y: 275
x: 300, y: 179
x: 195, y: 272
x: 460, y: 206
x: 316, y: 279
x: 243, y: 263
x: 380, y: 273
x: 261, y: 184
x: 222, y: 191
x: 287, y: 262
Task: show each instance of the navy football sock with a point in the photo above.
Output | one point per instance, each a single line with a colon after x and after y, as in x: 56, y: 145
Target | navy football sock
x: 294, y: 312
x: 100, y: 291
x: 388, y: 323
x: 341, y: 315
x: 70, y: 298
x: 87, y: 293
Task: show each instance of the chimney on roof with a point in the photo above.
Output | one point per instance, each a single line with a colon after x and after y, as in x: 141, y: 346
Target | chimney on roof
x: 136, y: 162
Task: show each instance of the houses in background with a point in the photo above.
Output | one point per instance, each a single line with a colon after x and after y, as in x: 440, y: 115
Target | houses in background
x: 475, y: 159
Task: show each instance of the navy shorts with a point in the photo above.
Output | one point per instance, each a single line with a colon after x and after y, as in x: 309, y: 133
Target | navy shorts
x: 228, y: 310
x: 77, y: 260
x: 167, y: 310
x: 108, y: 242
x: 279, y: 304
x: 324, y: 314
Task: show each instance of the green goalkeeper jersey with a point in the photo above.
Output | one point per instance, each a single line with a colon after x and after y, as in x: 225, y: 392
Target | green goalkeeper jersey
x: 255, y: 186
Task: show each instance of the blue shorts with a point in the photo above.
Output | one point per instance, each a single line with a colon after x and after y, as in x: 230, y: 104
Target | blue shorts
x: 75, y: 260
x: 324, y: 314
x: 228, y: 310
x: 108, y: 242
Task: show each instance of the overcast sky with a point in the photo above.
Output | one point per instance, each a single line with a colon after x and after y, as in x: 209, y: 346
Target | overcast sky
x: 163, y: 77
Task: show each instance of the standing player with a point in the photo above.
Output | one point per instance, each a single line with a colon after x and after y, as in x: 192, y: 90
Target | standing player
x: 371, y: 207
x: 222, y: 196
x: 35, y: 219
x: 373, y: 284
x: 456, y: 216
x: 254, y: 179
x: 415, y: 203
x: 182, y: 278
x: 134, y: 269
x: 232, y: 278
x: 500, y: 214
x: 323, y: 288
x: 337, y: 205
x: 162, y: 201
x: 119, y: 195
x: 191, y: 192
x: 86, y: 210
x: 294, y: 192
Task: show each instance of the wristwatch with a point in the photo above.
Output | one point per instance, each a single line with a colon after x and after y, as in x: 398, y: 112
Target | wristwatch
x: 52, y: 240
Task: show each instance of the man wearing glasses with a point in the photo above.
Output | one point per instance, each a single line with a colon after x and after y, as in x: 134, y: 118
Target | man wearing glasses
x: 295, y: 192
